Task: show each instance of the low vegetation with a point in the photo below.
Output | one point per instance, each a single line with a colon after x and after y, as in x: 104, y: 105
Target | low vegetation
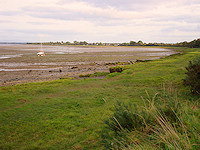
x: 119, y: 63
x: 116, y: 69
x: 96, y: 74
x: 116, y: 111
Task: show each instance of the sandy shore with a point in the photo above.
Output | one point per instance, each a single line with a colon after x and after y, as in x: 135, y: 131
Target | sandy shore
x: 20, y: 64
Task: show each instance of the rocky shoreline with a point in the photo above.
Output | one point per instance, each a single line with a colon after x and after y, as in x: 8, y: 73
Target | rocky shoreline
x: 23, y: 66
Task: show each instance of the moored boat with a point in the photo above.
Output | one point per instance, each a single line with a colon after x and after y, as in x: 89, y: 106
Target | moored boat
x: 41, y: 52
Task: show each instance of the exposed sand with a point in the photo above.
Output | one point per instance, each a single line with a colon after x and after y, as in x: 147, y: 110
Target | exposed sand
x: 20, y: 64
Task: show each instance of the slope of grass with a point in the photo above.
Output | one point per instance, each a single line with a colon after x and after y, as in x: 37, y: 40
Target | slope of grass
x: 69, y: 114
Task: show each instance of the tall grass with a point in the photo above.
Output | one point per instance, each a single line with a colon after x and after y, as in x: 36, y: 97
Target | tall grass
x: 162, y: 123
x: 166, y: 132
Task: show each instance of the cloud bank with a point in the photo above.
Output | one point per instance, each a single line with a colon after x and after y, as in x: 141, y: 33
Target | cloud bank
x: 105, y: 20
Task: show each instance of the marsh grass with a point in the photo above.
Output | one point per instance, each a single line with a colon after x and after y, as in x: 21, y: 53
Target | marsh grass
x: 160, y: 124
x: 96, y: 74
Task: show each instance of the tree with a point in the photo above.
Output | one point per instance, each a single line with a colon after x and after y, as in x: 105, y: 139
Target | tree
x: 76, y: 43
x: 68, y: 43
x: 132, y: 43
x: 140, y: 43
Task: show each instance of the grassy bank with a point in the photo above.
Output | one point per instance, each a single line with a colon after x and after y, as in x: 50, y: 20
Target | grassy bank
x: 69, y: 114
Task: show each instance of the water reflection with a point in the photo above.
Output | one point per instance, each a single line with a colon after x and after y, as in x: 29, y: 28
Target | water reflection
x: 10, y: 56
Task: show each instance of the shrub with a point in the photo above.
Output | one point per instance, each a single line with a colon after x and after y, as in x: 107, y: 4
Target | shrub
x: 115, y: 69
x: 162, y: 123
x: 124, y: 119
x: 193, y: 76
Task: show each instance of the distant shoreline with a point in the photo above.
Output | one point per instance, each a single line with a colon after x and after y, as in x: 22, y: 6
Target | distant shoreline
x: 12, y: 43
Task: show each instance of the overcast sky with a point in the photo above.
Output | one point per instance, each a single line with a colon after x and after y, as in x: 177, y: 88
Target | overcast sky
x: 168, y: 21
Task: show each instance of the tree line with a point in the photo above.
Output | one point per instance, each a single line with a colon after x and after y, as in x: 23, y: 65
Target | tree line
x: 193, y: 44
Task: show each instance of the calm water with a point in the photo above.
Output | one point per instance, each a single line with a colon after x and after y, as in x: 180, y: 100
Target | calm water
x: 74, y: 50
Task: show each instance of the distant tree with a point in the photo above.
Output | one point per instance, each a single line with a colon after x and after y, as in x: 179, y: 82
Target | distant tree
x: 193, y: 44
x: 85, y: 43
x: 133, y: 43
x: 124, y: 44
x: 68, y: 43
x: 184, y: 44
x: 140, y: 43
x: 196, y: 43
x: 76, y: 43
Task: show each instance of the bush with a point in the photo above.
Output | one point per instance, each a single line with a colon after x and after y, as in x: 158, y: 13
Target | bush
x: 115, y: 69
x: 163, y: 123
x: 125, y: 119
x: 193, y: 76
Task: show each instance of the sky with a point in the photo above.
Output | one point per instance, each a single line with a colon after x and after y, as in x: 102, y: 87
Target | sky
x: 167, y: 21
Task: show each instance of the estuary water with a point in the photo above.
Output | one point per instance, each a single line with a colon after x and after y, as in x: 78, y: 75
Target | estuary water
x: 18, y: 57
x: 78, y: 49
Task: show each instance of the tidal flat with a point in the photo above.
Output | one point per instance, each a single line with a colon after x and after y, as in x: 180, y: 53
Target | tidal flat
x: 20, y: 64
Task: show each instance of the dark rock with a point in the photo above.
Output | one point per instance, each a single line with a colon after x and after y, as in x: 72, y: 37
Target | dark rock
x: 139, y: 60
x: 74, y: 67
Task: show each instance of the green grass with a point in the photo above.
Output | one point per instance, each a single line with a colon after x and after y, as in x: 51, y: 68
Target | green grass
x: 96, y: 74
x: 69, y: 114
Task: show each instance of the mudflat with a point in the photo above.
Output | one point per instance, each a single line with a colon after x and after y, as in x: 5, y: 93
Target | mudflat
x: 19, y: 63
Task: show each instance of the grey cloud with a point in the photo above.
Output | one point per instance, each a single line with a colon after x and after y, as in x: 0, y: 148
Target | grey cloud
x: 10, y: 13
x: 134, y: 5
x: 6, y: 21
x: 38, y: 31
x: 180, y: 18
x: 17, y: 35
x: 36, y: 23
x: 63, y: 14
x: 192, y: 2
x: 181, y: 28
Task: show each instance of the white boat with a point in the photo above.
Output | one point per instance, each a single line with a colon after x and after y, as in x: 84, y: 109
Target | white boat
x: 41, y: 52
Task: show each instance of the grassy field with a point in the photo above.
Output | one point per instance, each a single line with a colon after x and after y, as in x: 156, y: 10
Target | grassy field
x: 69, y: 114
